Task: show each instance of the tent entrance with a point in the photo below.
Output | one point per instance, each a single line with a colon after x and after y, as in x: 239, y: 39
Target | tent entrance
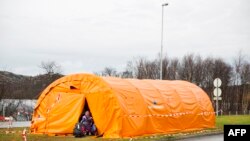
x: 85, y: 108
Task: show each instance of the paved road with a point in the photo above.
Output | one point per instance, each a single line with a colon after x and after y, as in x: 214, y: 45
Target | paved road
x: 15, y: 124
x: 206, y: 138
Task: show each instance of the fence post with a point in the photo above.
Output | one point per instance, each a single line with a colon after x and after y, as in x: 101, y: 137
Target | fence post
x: 236, y: 112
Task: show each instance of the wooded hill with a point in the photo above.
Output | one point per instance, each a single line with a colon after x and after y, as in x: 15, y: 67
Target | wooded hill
x: 15, y: 86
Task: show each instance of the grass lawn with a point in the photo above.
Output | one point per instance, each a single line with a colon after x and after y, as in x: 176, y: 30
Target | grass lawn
x: 220, y: 121
x: 239, y: 119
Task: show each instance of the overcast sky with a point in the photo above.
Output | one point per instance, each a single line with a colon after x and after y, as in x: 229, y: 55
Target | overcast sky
x: 86, y: 36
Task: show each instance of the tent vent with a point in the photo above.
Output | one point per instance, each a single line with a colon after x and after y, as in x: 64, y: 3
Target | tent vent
x: 72, y: 87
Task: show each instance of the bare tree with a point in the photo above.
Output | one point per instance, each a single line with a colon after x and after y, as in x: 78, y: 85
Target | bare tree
x: 173, y: 69
x: 109, y: 71
x: 165, y: 68
x: 245, y: 73
x: 208, y: 74
x: 187, y: 68
x: 245, y: 80
x: 241, y: 80
x: 222, y: 70
x: 50, y: 67
x: 129, y: 71
x: 236, y: 77
x: 198, y: 70
x: 11, y: 107
x: 238, y: 63
x: 4, y: 86
x: 140, y: 70
x: 146, y: 69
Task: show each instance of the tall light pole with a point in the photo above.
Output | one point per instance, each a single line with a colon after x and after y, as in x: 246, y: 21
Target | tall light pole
x: 165, y: 4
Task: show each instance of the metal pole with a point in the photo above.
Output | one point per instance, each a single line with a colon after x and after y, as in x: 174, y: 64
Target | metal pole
x: 217, y: 103
x: 161, y: 43
x: 3, y: 110
x: 2, y: 106
x: 162, y: 21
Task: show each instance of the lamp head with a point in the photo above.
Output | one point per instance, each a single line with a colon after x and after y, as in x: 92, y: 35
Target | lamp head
x: 165, y: 4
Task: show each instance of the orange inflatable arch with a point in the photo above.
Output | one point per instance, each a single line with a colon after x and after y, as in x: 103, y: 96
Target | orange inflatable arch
x: 122, y: 107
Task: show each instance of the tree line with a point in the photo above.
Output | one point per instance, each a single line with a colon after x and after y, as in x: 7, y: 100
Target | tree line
x: 13, y: 86
x: 200, y: 70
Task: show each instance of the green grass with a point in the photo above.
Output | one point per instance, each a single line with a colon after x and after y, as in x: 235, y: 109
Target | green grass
x: 17, y: 137
x: 220, y: 121
x: 239, y: 119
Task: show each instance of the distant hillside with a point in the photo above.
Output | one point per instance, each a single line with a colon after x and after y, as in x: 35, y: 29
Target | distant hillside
x: 17, y: 86
x: 9, y: 76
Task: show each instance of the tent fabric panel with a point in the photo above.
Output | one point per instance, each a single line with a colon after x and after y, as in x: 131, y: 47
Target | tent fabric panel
x: 131, y: 103
x: 174, y: 104
x: 59, y: 116
x: 155, y: 107
x: 106, y: 113
x: 190, y: 100
x: 159, y: 110
x: 65, y: 81
x: 128, y: 96
x: 208, y: 119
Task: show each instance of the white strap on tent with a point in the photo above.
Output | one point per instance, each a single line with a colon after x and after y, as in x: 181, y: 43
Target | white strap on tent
x: 171, y: 114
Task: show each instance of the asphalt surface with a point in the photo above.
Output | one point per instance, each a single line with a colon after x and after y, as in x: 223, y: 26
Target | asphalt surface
x: 218, y: 137
x: 15, y: 124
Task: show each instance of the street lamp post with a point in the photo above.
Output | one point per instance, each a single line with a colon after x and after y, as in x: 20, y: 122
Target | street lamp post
x: 165, y: 4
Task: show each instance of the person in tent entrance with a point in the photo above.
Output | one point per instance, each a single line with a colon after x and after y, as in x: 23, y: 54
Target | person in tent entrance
x: 88, y: 122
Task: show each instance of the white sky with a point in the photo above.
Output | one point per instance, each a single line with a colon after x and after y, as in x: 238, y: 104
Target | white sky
x: 86, y: 36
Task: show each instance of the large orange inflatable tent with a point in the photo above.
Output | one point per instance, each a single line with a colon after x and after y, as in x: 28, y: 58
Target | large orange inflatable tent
x: 122, y: 107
